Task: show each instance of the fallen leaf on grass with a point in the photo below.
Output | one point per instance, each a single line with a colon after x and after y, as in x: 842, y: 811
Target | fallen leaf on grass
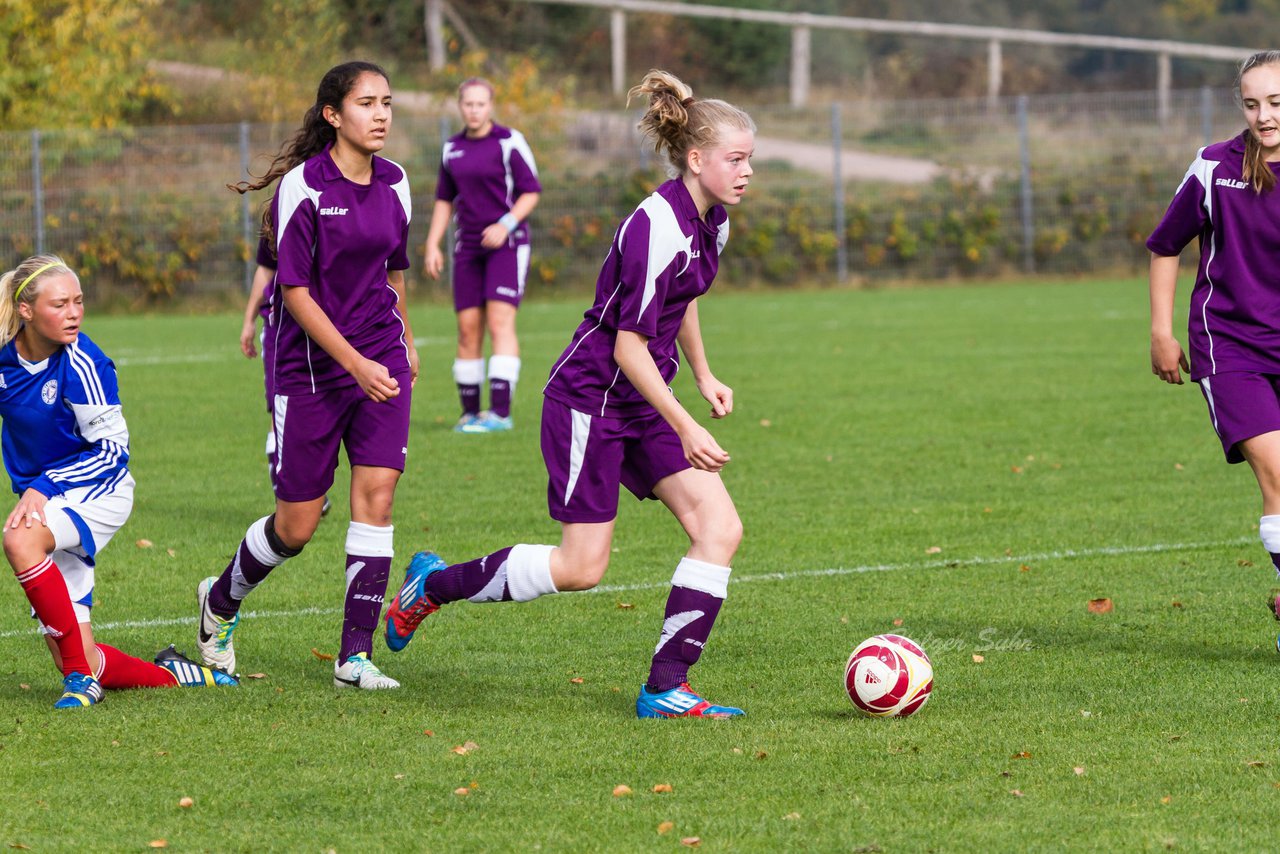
x: 978, y: 659
x: 465, y: 748
x: 625, y: 606
x: 1085, y: 713
x: 397, y: 777
x: 621, y: 790
x: 666, y: 827
x: 577, y: 680
x: 1255, y: 763
x: 765, y: 422
x: 691, y: 841
x: 1243, y: 562
x: 1006, y: 773
x: 24, y: 686
x: 158, y: 843
x: 1178, y: 466
x: 323, y: 656
x: 1022, y: 754
x: 761, y: 755
x: 162, y: 753
x: 462, y: 791
x: 933, y: 550
x: 661, y: 788
x: 1166, y: 800
x: 737, y: 750
x: 144, y: 544
x: 255, y: 676
x: 1175, y: 604
x: 1017, y: 793
x: 897, y: 622
x: 1100, y: 606
x: 1016, y: 469
x: 428, y: 733
x: 186, y: 803
x: 791, y: 816
x: 19, y: 846
x: 1024, y: 568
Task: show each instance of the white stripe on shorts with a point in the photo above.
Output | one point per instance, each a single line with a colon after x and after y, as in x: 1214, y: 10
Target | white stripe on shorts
x: 281, y: 407
x: 1213, y: 412
x: 577, y: 450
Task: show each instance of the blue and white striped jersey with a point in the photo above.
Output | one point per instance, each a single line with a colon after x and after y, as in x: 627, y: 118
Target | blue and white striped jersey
x: 63, y: 425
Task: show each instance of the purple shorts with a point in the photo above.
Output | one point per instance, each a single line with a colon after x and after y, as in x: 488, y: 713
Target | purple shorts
x: 490, y: 275
x: 1241, y: 405
x: 309, y: 428
x: 588, y: 456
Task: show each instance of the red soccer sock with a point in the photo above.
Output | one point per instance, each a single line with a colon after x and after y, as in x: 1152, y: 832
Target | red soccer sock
x: 46, y: 590
x: 120, y: 670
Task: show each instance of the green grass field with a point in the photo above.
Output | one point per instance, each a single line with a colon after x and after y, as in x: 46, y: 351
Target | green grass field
x: 975, y: 462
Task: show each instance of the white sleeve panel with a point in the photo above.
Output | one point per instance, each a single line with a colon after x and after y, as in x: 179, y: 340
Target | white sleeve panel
x: 1202, y: 170
x: 666, y: 242
x: 293, y: 191
x: 98, y: 423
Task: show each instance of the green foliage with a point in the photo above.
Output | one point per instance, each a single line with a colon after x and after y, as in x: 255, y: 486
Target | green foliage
x: 78, y: 63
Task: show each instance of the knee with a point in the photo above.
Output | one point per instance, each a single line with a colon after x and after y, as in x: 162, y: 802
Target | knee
x: 295, y: 530
x: 22, y: 547
x: 718, y: 536
x: 578, y: 570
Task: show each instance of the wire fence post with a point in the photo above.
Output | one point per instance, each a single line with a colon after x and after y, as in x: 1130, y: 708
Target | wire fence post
x: 837, y: 179
x: 246, y: 218
x: 1206, y: 114
x: 1028, y: 225
x: 37, y: 185
x: 445, y: 127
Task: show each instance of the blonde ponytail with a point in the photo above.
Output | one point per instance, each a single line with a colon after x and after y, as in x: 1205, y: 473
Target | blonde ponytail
x: 21, y: 286
x: 676, y: 122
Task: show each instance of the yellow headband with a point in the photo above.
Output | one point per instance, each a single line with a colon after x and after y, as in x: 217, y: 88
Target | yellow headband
x: 28, y: 279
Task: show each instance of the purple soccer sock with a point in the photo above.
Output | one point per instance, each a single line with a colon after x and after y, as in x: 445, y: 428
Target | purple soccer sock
x: 499, y: 397
x: 253, y: 562
x: 369, y: 553
x: 468, y: 580
x: 469, y: 396
x: 690, y: 614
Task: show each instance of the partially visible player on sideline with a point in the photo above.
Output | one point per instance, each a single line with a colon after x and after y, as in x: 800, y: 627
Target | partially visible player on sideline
x: 66, y: 450
x: 258, y: 304
x: 609, y: 417
x: 1228, y: 201
x: 342, y: 360
x: 488, y: 185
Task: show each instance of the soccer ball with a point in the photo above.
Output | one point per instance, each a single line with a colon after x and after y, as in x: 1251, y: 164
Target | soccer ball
x: 888, y: 675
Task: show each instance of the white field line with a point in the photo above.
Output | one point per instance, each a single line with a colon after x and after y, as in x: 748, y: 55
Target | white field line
x: 1064, y: 554
x: 231, y: 353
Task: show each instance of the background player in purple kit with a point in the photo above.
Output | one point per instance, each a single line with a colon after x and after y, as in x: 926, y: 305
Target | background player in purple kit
x: 258, y: 304
x: 66, y: 450
x: 489, y: 185
x: 1228, y: 200
x: 342, y: 360
x: 609, y: 417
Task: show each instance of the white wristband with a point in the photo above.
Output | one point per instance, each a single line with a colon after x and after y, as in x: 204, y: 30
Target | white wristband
x: 508, y: 222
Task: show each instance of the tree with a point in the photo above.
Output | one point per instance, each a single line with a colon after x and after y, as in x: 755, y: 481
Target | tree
x: 77, y: 63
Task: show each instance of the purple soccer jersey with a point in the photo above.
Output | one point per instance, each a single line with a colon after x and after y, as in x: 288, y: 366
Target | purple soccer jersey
x: 1234, y: 323
x: 662, y: 258
x: 339, y: 239
x: 482, y: 178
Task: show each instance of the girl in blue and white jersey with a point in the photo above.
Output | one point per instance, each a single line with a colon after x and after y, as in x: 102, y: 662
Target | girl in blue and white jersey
x: 66, y: 449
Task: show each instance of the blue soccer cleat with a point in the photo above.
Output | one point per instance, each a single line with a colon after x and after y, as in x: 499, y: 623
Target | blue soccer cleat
x: 465, y: 422
x: 488, y: 423
x: 412, y: 605
x: 79, y: 690
x: 679, y: 702
x: 192, y: 675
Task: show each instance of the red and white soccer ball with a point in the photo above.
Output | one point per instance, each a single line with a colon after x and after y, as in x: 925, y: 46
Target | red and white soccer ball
x: 888, y: 675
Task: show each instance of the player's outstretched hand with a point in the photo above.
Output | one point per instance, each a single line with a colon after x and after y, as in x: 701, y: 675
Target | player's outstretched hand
x: 1167, y: 357
x: 375, y: 380
x: 30, y: 509
x: 719, y: 395
x: 701, y: 449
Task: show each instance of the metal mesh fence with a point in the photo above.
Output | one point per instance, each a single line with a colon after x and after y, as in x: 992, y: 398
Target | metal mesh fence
x: 859, y: 192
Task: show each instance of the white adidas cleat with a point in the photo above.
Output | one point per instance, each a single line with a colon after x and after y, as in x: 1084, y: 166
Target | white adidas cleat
x: 213, y: 636
x: 359, y: 672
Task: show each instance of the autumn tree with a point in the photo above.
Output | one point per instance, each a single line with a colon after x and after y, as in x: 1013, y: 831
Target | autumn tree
x: 77, y: 63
